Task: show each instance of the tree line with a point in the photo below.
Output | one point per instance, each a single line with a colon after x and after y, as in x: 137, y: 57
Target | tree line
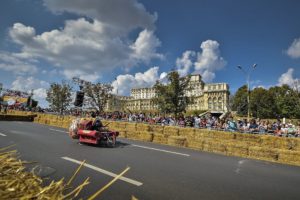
x: 275, y: 102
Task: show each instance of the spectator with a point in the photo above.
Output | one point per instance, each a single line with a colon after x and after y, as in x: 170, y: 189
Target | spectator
x: 253, y: 127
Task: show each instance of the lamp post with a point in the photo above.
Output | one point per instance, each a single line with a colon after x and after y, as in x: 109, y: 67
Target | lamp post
x: 247, y: 74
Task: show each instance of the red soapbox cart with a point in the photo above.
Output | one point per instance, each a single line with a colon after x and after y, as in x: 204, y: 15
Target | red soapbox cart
x: 92, y: 132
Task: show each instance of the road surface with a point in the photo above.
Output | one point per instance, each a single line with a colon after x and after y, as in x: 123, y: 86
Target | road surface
x: 157, y: 171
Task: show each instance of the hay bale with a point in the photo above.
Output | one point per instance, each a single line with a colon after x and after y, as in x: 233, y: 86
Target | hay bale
x: 133, y: 135
x: 221, y: 135
x: 213, y: 145
x: 157, y: 129
x: 289, y: 157
x: 262, y: 153
x: 123, y: 134
x: 171, y: 131
x: 189, y: 133
x: 203, y: 133
x: 237, y: 149
x: 130, y: 127
x: 178, y: 141
x: 121, y: 125
x: 146, y: 136
x: 251, y: 139
x: 160, y: 138
x: 142, y: 127
x: 195, y: 144
x: 276, y: 142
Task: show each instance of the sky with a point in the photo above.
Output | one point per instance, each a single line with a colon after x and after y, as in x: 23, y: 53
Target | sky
x: 133, y: 43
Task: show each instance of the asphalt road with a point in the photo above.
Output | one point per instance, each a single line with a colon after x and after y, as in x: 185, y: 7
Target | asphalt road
x: 157, y: 171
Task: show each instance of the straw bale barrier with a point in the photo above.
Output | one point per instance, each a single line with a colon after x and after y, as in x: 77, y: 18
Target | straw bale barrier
x: 251, y: 139
x: 15, y: 117
x: 171, y: 131
x: 157, y: 129
x: 133, y: 134
x: 263, y: 147
x: 237, y: 149
x: 130, y: 127
x: 142, y: 127
x: 262, y: 153
x: 160, y: 138
x: 196, y: 144
x: 288, y: 156
x: 212, y: 145
x: 178, y: 141
x: 123, y: 134
x: 146, y: 136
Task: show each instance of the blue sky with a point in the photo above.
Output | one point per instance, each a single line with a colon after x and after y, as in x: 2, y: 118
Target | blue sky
x: 133, y: 43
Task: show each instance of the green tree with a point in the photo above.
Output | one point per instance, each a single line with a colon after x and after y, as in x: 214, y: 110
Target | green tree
x: 262, y: 103
x: 97, y: 95
x: 239, y: 101
x: 171, y: 98
x: 59, y: 96
x: 287, y: 101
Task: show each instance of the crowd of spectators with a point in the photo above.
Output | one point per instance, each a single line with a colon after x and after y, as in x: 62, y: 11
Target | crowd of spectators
x: 207, y: 121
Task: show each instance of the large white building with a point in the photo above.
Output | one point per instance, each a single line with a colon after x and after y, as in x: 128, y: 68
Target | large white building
x: 210, y: 97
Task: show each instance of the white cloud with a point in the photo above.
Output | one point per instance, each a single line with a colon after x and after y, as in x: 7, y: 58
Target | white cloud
x: 27, y: 84
x: 121, y: 15
x: 89, y: 47
x: 96, y: 43
x: 205, y: 63
x: 124, y: 83
x: 145, y: 47
x: 185, y: 63
x: 294, y: 50
x: 209, y: 60
x: 288, y: 78
x: 15, y: 64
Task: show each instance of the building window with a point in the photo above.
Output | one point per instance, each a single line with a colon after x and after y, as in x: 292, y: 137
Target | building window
x: 220, y: 103
x: 209, y: 103
x: 215, y: 103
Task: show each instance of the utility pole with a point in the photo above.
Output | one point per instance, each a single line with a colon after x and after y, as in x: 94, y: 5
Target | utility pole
x: 247, y: 74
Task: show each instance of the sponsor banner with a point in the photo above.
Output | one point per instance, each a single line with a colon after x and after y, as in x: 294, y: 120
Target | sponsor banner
x: 15, y: 99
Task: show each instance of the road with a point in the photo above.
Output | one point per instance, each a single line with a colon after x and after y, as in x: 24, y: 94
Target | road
x: 157, y: 171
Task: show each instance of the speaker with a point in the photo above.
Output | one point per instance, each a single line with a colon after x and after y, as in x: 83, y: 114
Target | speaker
x: 79, y: 99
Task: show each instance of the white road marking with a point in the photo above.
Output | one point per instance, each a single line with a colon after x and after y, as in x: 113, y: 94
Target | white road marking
x: 57, y: 130
x: 2, y: 134
x: 128, y: 180
x: 162, y: 150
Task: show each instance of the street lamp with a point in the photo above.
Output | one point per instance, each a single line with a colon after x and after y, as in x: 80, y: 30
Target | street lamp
x: 247, y: 74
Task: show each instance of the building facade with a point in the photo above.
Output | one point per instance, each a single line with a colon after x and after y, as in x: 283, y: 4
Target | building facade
x: 210, y: 97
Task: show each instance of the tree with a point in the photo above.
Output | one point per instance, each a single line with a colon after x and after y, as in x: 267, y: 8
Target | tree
x: 239, y: 101
x: 171, y: 98
x: 262, y: 103
x: 59, y: 96
x: 97, y: 95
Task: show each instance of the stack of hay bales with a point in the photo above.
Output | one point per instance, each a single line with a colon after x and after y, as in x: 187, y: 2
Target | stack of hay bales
x: 144, y: 133
x: 236, y: 148
x: 188, y: 133
x: 118, y: 126
x: 178, y: 141
x: 289, y: 157
x: 262, y: 153
x: 131, y: 131
x: 158, y: 134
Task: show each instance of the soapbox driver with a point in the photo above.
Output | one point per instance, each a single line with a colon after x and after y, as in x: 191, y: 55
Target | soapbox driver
x: 92, y: 131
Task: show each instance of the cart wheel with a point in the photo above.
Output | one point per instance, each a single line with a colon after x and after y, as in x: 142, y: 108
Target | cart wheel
x: 111, y: 141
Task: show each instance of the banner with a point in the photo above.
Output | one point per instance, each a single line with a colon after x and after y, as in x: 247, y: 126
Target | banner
x: 15, y: 99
